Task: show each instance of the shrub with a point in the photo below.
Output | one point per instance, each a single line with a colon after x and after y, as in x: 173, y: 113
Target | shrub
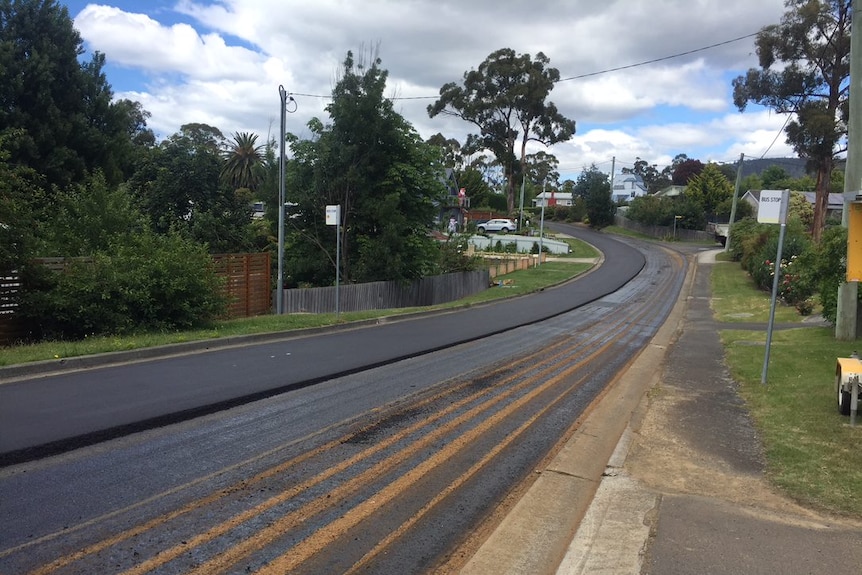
x: 740, y: 234
x: 826, y: 267
x: 561, y: 214
x: 761, y: 261
x: 148, y: 282
x: 793, y: 287
x: 454, y: 256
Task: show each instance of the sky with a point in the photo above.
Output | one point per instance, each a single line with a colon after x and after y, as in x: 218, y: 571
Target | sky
x: 645, y: 79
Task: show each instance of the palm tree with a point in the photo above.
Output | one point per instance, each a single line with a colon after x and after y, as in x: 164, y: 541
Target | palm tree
x: 243, y: 162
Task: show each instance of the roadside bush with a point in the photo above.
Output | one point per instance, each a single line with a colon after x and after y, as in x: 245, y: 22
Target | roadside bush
x: 577, y: 211
x: 746, y: 239
x: 561, y: 213
x: 454, y: 256
x: 794, y: 287
x: 535, y: 249
x: 761, y: 263
x: 826, y: 266
x: 647, y: 210
x: 148, y: 282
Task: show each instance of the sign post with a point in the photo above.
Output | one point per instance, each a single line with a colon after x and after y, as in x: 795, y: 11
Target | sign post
x: 773, y: 210
x: 333, y: 218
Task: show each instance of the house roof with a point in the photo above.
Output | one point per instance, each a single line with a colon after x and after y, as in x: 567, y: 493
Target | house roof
x: 835, y: 202
x: 556, y: 195
x: 671, y: 191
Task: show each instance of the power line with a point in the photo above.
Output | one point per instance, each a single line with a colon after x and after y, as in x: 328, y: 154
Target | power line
x: 781, y: 131
x: 662, y: 59
x: 580, y: 76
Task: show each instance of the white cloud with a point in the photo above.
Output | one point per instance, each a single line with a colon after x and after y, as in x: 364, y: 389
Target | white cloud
x: 221, y: 62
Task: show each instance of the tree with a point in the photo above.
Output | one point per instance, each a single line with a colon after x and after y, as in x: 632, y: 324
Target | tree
x: 90, y: 217
x: 22, y: 210
x: 710, y: 188
x: 685, y: 170
x: 505, y: 100
x: 541, y: 168
x: 773, y: 177
x: 372, y: 163
x: 475, y: 187
x: 243, y: 162
x: 804, y: 70
x: 595, y: 188
x: 179, y: 187
x: 654, y: 179
x: 59, y: 109
x: 450, y: 150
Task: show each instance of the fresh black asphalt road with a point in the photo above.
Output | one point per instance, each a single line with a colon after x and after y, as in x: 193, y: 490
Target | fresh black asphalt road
x: 60, y: 410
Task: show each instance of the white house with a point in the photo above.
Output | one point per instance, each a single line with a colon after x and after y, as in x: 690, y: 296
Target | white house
x: 552, y: 198
x: 627, y: 187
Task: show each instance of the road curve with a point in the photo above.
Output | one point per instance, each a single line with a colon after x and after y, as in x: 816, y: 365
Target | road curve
x: 63, y: 409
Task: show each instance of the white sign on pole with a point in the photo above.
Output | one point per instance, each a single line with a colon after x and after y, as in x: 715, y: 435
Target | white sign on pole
x: 333, y: 215
x: 773, y: 210
x: 773, y: 206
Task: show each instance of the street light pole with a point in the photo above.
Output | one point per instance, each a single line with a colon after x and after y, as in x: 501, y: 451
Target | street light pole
x: 284, y: 98
x: 542, y: 222
x: 279, y: 292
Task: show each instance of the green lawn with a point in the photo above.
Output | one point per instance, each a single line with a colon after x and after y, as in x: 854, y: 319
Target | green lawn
x: 736, y: 298
x: 812, y: 453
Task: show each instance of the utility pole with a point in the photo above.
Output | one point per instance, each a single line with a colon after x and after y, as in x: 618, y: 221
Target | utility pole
x: 521, y: 205
x: 733, y: 204
x: 279, y: 291
x: 846, y: 320
x: 613, y: 167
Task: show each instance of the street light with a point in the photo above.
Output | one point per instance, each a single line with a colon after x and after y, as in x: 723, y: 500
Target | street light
x: 284, y: 97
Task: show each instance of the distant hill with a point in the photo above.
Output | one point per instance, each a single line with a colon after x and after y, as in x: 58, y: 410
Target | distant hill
x: 794, y: 167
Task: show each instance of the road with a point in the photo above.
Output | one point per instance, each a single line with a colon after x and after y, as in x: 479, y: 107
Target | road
x: 393, y: 469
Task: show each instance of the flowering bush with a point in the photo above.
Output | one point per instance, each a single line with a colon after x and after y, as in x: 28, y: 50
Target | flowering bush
x: 793, y: 289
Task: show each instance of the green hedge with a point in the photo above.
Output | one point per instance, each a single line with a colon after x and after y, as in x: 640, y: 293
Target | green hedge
x: 149, y: 282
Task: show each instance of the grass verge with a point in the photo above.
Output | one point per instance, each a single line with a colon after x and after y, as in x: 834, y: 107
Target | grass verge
x: 514, y: 284
x: 812, y: 453
x: 737, y: 299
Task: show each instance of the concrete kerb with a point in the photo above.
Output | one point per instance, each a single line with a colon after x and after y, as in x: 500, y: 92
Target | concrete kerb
x: 535, y: 536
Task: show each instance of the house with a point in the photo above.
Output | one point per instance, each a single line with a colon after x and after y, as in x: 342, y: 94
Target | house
x: 552, y: 198
x: 834, y: 207
x: 627, y: 187
x: 671, y: 192
x: 455, y: 203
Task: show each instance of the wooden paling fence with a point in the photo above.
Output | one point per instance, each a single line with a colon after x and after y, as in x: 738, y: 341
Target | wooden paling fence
x: 431, y: 290
x: 247, y: 283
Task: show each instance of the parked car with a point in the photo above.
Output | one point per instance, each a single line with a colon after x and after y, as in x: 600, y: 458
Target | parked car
x: 497, y: 225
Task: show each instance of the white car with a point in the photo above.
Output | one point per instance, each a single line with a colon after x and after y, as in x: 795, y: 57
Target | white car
x: 497, y: 225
